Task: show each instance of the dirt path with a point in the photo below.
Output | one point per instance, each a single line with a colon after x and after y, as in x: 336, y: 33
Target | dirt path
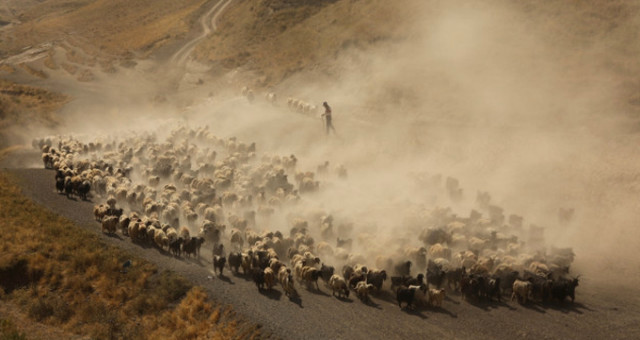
x: 601, y: 311
x: 208, y: 24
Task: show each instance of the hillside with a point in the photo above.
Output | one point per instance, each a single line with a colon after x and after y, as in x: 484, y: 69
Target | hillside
x: 277, y: 39
x: 102, y: 27
x: 537, y: 102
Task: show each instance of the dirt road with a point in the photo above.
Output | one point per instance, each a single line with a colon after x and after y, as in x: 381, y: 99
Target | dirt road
x: 601, y: 310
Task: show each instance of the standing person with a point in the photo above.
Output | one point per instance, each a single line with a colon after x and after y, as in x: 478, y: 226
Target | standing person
x: 327, y: 117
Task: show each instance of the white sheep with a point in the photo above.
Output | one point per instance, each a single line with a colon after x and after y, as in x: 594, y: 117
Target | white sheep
x: 338, y: 284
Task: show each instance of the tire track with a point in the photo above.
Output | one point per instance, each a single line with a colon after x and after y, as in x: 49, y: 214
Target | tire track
x: 208, y: 23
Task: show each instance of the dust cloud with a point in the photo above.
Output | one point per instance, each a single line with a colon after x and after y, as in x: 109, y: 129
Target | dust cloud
x: 479, y: 92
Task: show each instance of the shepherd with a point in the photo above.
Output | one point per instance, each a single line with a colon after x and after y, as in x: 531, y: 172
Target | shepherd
x: 327, y: 118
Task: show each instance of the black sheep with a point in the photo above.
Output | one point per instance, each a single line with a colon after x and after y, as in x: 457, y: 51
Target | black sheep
x: 564, y: 287
x: 68, y: 186
x: 218, y: 263
x: 454, y: 276
x: 405, y: 294
x: 218, y: 250
x: 83, y: 190
x: 326, y: 272
x: 347, y: 271
x: 258, y: 278
x: 377, y: 278
x: 415, y: 281
x: 191, y: 246
x: 60, y: 185
x: 235, y: 261
x: 353, y: 281
x: 175, y: 247
x: 492, y: 289
x: 436, y: 277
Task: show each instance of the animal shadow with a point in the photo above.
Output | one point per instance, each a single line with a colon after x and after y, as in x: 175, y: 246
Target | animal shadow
x: 443, y: 311
x: 478, y: 303
x: 225, y: 279
x: 371, y: 303
x: 532, y: 306
x: 295, y: 298
x: 114, y: 235
x: 272, y: 294
x: 343, y: 299
x: 569, y: 307
x: 414, y: 311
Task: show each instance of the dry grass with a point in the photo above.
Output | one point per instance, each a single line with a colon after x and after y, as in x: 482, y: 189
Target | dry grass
x: 66, y: 277
x: 24, y: 107
x: 34, y: 72
x: 279, y: 38
x: 104, y: 28
x: 9, y: 331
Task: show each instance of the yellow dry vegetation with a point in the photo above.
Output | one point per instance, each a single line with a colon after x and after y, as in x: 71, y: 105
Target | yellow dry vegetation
x: 24, y: 106
x: 112, y: 26
x: 63, y: 276
x: 278, y: 38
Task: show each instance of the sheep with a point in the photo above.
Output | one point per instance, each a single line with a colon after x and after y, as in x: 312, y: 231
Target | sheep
x: 539, y: 268
x: 191, y: 246
x: 270, y: 97
x: 438, y: 250
x: 376, y: 278
x: 286, y: 281
x: 236, y: 238
x: 269, y: 278
x: 275, y: 264
x: 99, y: 211
x: 235, y: 261
x: 408, y: 295
x: 521, y: 290
x: 184, y: 233
x: 360, y: 269
x: 338, y: 284
x: 160, y: 239
x: 258, y: 278
x: 436, y: 296
x: 111, y: 202
x: 563, y: 287
x: 297, y: 269
x: 356, y: 278
x: 246, y: 262
x: 324, y: 249
x: 218, y: 263
x: 477, y: 244
x: 175, y: 246
x: 123, y: 224
x: 326, y: 272
x: 110, y: 224
x: 362, y: 289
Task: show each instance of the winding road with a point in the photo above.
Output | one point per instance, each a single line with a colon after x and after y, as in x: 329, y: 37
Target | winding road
x: 208, y: 24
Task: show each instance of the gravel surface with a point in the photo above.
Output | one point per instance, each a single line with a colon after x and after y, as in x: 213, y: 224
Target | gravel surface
x: 601, y: 310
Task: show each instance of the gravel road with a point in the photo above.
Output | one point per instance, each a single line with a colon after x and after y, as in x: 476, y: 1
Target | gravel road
x: 601, y: 310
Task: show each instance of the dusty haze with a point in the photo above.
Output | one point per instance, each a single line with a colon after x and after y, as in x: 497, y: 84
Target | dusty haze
x: 484, y: 93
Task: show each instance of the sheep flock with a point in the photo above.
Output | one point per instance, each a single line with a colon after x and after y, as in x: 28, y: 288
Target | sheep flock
x: 257, y: 214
